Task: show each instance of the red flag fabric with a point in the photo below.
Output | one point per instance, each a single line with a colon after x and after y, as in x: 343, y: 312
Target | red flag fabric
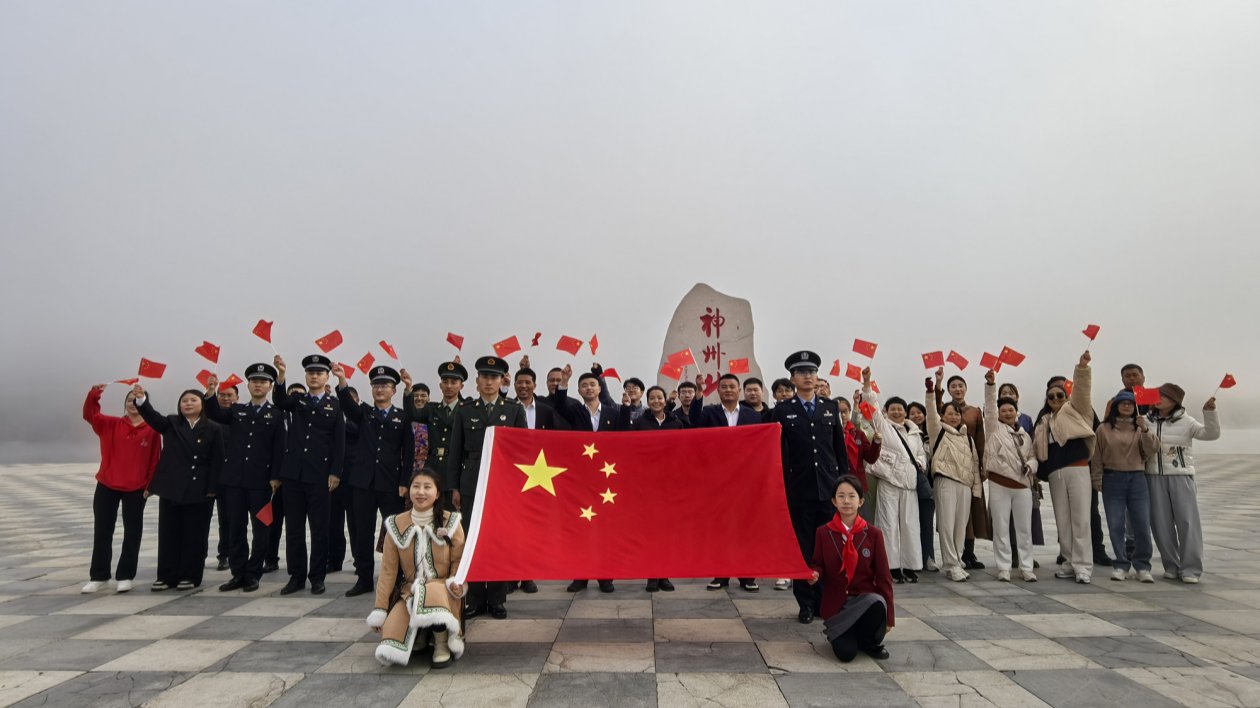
x: 506, y: 347
x: 933, y: 360
x: 594, y: 344
x: 1146, y: 396
x: 1091, y: 331
x: 534, y: 341
x: 203, y: 377
x: 611, y: 373
x: 151, y: 369
x: 128, y: 382
x: 565, y: 504
x: 1010, y: 356
x: 990, y: 362
x: 569, y: 344
x: 957, y: 360
x: 682, y: 358
x: 1228, y: 381
x: 366, y: 363
x: 347, y: 370
x: 329, y: 341
x: 1067, y: 388
x: 868, y: 411
x: 262, y: 330
x: 853, y: 371
x: 738, y: 366
x: 671, y: 372
x: 230, y: 381
x: 865, y: 348
x: 265, y: 515
x: 835, y: 368
x: 455, y: 340
x: 389, y: 349
x: 875, y: 387
x: 209, y: 351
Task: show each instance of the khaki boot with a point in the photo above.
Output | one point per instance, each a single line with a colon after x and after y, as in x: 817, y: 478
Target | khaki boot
x: 441, y: 652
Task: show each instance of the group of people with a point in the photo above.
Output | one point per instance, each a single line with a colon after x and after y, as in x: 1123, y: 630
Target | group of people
x: 866, y: 483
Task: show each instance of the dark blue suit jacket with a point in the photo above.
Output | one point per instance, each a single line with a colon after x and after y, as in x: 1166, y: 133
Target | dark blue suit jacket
x: 714, y: 416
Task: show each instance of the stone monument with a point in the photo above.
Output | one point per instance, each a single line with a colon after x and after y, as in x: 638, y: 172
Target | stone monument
x: 717, y: 328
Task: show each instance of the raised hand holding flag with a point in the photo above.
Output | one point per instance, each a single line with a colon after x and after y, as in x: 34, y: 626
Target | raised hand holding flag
x: 1227, y: 382
x: 1090, y: 331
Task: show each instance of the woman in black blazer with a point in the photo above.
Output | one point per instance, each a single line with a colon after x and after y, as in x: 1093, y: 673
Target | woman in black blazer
x: 185, y: 480
x: 656, y: 417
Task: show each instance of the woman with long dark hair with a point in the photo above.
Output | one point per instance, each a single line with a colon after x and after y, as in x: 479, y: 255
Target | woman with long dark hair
x: 1123, y: 444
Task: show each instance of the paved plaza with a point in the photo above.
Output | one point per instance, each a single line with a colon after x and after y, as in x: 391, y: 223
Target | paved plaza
x: 977, y: 643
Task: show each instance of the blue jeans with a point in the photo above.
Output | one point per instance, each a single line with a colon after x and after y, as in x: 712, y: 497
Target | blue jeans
x: 1127, y: 492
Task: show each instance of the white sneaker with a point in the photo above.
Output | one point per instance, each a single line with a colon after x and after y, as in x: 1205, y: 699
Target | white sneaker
x: 930, y: 566
x: 1170, y: 575
x: 1133, y: 572
x: 1118, y: 574
x: 1028, y: 576
x: 124, y: 586
x: 782, y: 584
x: 1192, y: 579
x: 1064, y: 572
x: 1144, y: 576
x: 1083, y: 579
x: 91, y: 587
x: 956, y: 574
x: 1004, y: 576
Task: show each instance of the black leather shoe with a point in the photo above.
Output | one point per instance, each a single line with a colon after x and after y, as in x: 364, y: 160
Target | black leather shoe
x: 362, y: 587
x: 250, y: 585
x: 606, y: 586
x: 271, y: 566
x: 897, y: 576
x: 910, y: 576
x: 876, y: 652
x: 529, y: 587
x: 294, y: 585
x: 223, y: 564
x: 498, y: 612
x: 473, y: 611
x: 576, y: 585
x: 666, y: 585
x: 513, y: 586
x: 1102, y: 560
x: 653, y: 586
x: 805, y: 616
x: 235, y: 583
x: 317, y: 587
x: 973, y: 564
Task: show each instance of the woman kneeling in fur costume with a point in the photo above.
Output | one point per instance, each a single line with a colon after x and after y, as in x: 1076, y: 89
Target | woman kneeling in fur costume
x: 425, y: 548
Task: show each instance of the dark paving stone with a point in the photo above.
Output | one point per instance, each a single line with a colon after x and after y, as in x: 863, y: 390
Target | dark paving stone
x: 31, y: 587
x: 1128, y: 652
x: 1160, y: 621
x: 73, y: 654
x: 346, y: 607
x: 715, y: 608
x: 348, y: 690
x: 715, y: 657
x: 538, y: 609
x: 282, y: 657
x: 1188, y: 601
x: 928, y: 586
x: 502, y: 658
x: 54, y: 626
x: 980, y: 627
x: 16, y: 647
x: 208, y: 605
x: 593, y: 689
x: 42, y: 604
x: 1024, y: 605
x: 1088, y: 688
x: 107, y: 689
x: 930, y: 656
x: 855, y: 689
x: 605, y: 630
x: 773, y: 629
x: 251, y: 628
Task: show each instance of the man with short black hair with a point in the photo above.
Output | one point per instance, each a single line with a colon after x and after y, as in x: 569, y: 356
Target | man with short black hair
x: 754, y: 397
x: 276, y: 533
x: 633, y: 389
x: 728, y: 413
x: 226, y: 397
x: 782, y: 390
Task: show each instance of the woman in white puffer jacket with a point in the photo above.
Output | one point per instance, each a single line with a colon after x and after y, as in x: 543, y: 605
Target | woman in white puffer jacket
x: 1012, y: 465
x: 901, y: 461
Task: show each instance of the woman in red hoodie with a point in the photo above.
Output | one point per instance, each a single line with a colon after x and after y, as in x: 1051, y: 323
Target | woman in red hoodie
x: 849, y: 559
x: 129, y: 454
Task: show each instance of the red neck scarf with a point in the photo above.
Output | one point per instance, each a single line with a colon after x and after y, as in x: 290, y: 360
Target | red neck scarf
x: 848, y: 552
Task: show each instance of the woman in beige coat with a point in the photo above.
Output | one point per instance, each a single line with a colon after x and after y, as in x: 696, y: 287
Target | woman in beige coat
x: 956, y: 480
x: 1064, y: 442
x: 426, y: 553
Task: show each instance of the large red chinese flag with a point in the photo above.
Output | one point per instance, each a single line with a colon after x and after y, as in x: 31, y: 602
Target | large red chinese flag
x: 507, y: 346
x: 569, y: 344
x: 329, y: 341
x: 865, y: 348
x: 151, y: 369
x: 556, y: 505
x: 262, y: 330
x: 209, y: 351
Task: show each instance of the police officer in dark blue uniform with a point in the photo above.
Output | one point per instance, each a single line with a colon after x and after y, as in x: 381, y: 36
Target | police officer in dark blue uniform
x: 382, y: 466
x: 814, y: 458
x: 255, y: 452
x: 313, y: 455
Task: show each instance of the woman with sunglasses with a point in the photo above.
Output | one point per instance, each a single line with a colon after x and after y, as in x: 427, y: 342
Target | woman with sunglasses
x: 1064, y: 443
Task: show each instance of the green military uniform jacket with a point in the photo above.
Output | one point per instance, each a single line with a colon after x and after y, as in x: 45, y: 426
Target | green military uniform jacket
x: 468, y: 433
x: 438, y: 416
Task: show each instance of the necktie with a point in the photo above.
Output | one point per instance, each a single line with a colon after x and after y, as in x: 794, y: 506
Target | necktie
x: 809, y: 408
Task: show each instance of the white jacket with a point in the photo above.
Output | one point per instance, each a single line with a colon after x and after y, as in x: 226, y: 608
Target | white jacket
x: 1176, y: 435
x: 955, y: 455
x: 1007, y: 451
x: 895, y: 465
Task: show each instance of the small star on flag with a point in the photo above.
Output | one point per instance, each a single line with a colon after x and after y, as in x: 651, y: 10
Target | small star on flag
x: 608, y: 496
x: 590, y: 451
x: 609, y: 470
x: 588, y: 512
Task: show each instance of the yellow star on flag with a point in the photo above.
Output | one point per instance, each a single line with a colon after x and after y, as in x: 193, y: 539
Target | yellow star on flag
x: 540, y: 474
x: 590, y: 451
x: 608, y: 496
x: 588, y: 513
x: 609, y: 470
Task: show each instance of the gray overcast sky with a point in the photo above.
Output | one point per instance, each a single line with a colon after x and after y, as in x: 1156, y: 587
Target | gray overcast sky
x: 922, y: 174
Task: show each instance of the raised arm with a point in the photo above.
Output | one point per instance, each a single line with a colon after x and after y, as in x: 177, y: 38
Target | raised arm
x: 1082, y: 389
x: 990, y: 401
x: 92, y: 409
x: 156, y: 420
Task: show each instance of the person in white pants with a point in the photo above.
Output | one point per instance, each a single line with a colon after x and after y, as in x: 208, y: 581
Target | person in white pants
x: 901, y: 460
x: 956, y: 479
x: 1064, y: 442
x: 1011, y: 466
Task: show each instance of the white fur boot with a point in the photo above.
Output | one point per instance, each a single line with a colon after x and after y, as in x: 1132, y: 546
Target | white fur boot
x: 390, y: 656
x: 441, y: 652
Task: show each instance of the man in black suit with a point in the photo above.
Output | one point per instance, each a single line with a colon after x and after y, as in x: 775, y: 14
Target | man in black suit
x: 272, y: 562
x: 315, y: 448
x: 814, y: 458
x: 255, y: 451
x: 725, y: 414
x: 341, y: 501
x: 381, y: 473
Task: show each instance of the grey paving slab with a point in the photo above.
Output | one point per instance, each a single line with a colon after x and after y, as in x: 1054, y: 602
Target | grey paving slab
x: 1161, y: 621
x: 979, y: 627
x: 716, y: 608
x: 281, y: 657
x: 1128, y: 652
x: 589, y: 689
x: 54, y: 626
x: 252, y: 628
x: 347, y: 690
x: 503, y: 658
x: 1087, y: 688
x: 107, y: 689
x: 605, y: 630
x: 711, y: 657
x: 829, y: 690
x: 72, y: 654
x: 929, y: 656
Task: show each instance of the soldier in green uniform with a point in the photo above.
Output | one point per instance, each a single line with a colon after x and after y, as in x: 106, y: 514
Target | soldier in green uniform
x: 437, y: 415
x: 463, y: 464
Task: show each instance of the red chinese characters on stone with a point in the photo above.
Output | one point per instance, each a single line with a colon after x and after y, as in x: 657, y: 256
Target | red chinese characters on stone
x: 713, y: 352
x: 711, y: 322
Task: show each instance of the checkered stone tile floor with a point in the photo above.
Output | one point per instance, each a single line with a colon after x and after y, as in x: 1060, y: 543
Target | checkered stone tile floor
x: 977, y: 643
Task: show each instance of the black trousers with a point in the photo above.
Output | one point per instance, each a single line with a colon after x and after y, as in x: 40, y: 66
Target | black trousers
x: 927, y: 528
x: 105, y: 503
x: 239, y: 508
x: 480, y: 593
x: 1096, y: 526
x: 340, y: 523
x: 807, y: 516
x: 867, y: 632
x: 306, y: 505
x: 277, y: 528
x: 363, y: 531
x: 222, y: 550
x: 183, y: 540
